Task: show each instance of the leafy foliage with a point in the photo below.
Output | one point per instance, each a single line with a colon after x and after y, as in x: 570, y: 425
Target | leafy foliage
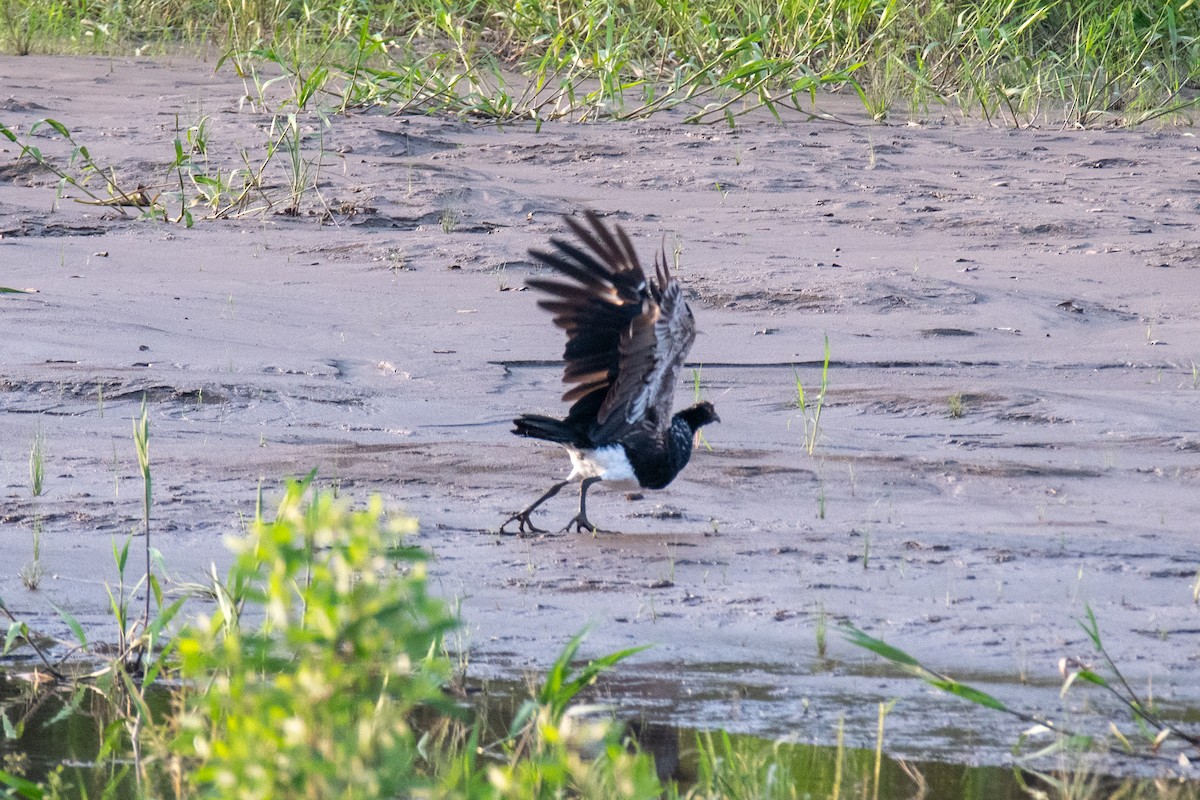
x: 315, y: 701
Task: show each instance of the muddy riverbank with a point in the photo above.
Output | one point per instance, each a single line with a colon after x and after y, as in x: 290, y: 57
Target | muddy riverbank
x: 1047, y: 279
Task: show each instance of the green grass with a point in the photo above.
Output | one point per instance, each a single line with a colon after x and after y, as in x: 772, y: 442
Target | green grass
x: 37, y: 464
x: 956, y: 406
x: 820, y: 630
x: 810, y: 407
x: 199, y: 182
x: 32, y: 572
x: 1082, y: 61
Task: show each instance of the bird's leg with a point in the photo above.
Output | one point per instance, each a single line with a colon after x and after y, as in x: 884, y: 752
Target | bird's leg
x: 522, y: 519
x: 581, y: 523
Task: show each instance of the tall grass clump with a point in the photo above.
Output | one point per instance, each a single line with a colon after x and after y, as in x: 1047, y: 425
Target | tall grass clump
x: 1013, y: 61
x: 37, y: 463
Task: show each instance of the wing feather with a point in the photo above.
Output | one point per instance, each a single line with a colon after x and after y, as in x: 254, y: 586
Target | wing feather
x: 653, y: 350
x: 627, y: 336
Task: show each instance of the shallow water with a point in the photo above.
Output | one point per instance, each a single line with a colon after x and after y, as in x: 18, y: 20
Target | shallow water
x: 56, y: 729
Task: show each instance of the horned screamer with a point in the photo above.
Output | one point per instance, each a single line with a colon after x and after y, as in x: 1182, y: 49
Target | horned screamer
x: 627, y: 338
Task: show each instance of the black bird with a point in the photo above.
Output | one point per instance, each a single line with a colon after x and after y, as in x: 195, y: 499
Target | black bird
x: 627, y: 337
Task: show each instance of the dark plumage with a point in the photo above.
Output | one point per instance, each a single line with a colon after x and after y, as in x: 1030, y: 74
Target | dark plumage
x: 627, y: 337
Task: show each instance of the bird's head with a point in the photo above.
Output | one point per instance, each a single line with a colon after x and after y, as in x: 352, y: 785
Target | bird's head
x: 699, y: 415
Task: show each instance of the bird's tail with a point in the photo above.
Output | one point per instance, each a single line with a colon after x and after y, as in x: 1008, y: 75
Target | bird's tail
x: 537, y: 426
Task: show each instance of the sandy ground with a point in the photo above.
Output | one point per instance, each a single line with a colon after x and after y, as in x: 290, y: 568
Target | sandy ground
x: 1047, y: 276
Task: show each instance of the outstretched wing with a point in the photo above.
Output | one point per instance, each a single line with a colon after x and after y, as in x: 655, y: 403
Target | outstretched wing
x: 653, y: 348
x: 626, y: 336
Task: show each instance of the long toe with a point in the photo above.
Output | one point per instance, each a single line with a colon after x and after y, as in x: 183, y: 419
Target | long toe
x: 523, y: 525
x: 581, y: 524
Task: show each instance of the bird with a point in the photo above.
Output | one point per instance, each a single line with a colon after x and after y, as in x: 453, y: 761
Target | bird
x: 627, y: 337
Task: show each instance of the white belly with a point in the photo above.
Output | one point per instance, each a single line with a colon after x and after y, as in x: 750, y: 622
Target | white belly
x: 606, y: 463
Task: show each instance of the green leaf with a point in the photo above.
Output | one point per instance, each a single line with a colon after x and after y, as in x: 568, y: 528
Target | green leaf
x: 70, y: 708
x: 1092, y: 677
x: 158, y: 595
x: 58, y: 126
x: 110, y: 739
x: 898, y: 656
x: 117, y: 607
x: 72, y: 623
x: 121, y: 557
x: 10, y: 732
x: 1076, y: 744
x: 133, y: 693
x: 1091, y: 628
x: 967, y: 693
x: 878, y: 647
x: 24, y: 788
x: 15, y: 629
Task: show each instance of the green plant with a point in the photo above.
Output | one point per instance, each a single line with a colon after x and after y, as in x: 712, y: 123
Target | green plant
x: 199, y: 180
x: 549, y: 735
x: 17, y: 21
x: 79, y: 169
x: 740, y: 768
x: 142, y: 653
x: 318, y: 697
x: 37, y: 463
x: 303, y: 174
x: 31, y: 573
x: 19, y: 632
x: 1085, y: 62
x: 811, y: 408
x: 821, y: 625
x: 1154, y: 729
x: 697, y: 396
x: 141, y: 439
x: 955, y: 406
x: 884, y: 710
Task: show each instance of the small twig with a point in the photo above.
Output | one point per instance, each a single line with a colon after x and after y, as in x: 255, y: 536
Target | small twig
x: 40, y: 653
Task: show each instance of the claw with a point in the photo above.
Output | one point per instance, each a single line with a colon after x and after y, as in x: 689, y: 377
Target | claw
x: 524, y: 525
x: 582, y: 525
x: 522, y: 518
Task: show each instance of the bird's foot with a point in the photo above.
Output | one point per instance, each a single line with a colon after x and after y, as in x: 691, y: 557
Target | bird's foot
x: 581, y: 524
x: 524, y: 525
